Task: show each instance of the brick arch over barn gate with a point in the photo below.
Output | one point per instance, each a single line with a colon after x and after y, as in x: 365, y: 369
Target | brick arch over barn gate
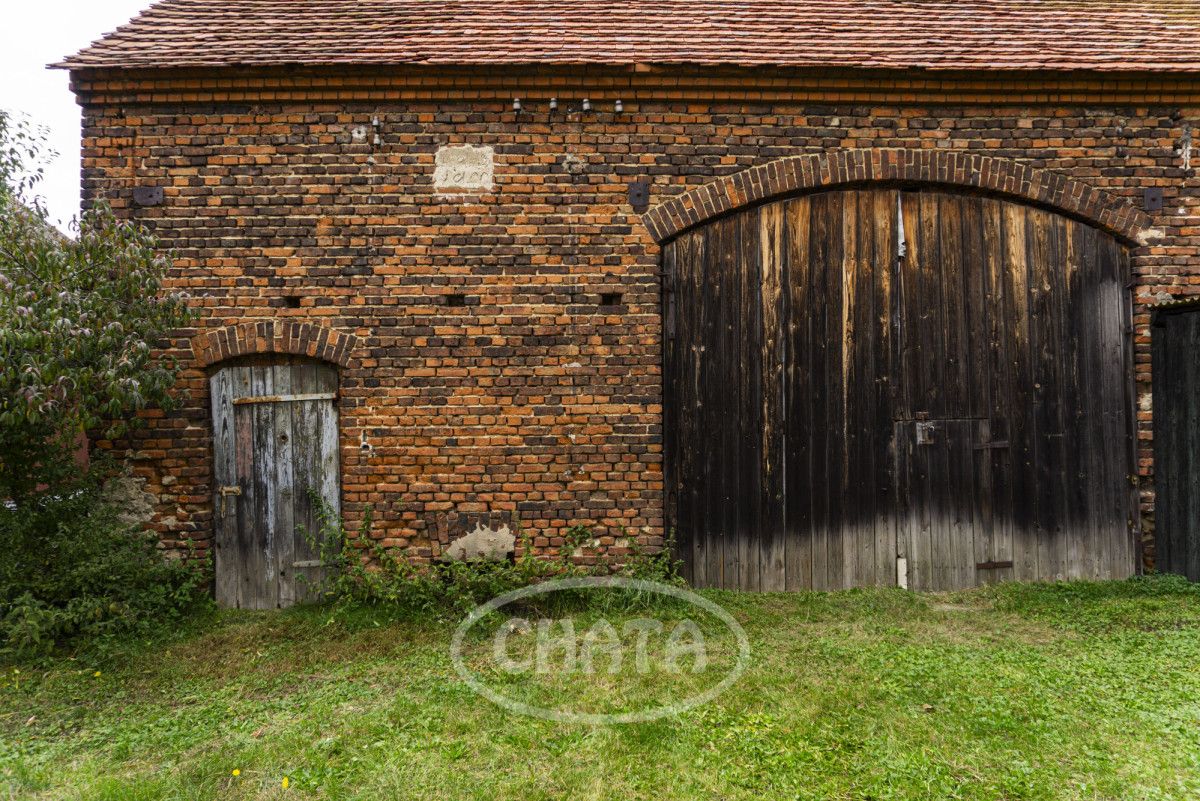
x: 889, y: 367
x: 794, y: 175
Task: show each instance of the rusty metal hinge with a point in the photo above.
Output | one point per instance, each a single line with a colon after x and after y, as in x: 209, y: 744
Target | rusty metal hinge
x: 225, y: 492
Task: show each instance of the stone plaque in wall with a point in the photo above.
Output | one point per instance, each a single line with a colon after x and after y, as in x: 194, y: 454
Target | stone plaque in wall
x: 460, y: 169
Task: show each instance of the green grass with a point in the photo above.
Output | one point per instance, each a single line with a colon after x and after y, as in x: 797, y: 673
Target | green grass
x: 1072, y: 691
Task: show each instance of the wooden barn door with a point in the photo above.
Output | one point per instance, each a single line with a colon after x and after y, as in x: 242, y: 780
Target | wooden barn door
x: 871, y: 387
x: 1176, y: 354
x: 275, y: 446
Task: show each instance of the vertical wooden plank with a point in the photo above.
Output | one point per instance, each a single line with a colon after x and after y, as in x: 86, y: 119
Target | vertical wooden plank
x: 997, y: 462
x: 912, y: 318
x: 283, y: 503
x: 909, y: 567
x: 675, y: 410
x: 1188, y: 477
x: 837, y: 395
x: 247, y: 503
x: 774, y: 524
x: 869, y: 226
x: 985, y: 493
x: 955, y: 510
x: 927, y: 323
x: 692, y: 306
x: 954, y: 334
x: 1064, y: 389
x: 826, y: 285
x: 1119, y: 401
x: 845, y: 486
x: 1018, y: 402
x: 266, y: 558
x: 1045, y: 311
x: 1079, y: 408
x: 719, y: 392
x: 750, y: 344
x: 800, y: 310
x: 1182, y: 442
x: 751, y: 341
x: 878, y: 382
x: 922, y: 468
x: 731, y: 395
x: 226, y: 559
x: 976, y: 367
x: 970, y: 502
x: 713, y: 393
x: 1131, y: 563
x: 670, y: 413
x: 305, y: 477
x: 1187, y: 463
x: 329, y: 458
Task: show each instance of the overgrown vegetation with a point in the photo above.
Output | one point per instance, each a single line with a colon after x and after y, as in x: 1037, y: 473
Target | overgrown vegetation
x: 70, y: 569
x: 1080, y: 692
x: 364, y: 572
x: 81, y: 324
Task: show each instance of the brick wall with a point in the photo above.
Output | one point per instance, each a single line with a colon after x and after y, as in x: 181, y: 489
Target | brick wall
x: 532, y: 401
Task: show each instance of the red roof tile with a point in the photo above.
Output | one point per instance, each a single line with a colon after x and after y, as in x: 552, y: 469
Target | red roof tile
x: 1108, y: 35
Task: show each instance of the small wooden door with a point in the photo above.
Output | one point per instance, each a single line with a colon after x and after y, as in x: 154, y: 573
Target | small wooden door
x: 1176, y: 352
x: 950, y: 480
x: 275, y: 446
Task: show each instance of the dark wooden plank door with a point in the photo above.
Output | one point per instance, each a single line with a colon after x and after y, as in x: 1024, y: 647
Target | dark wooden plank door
x: 947, y: 474
x: 807, y: 338
x: 1176, y: 367
x: 275, y: 445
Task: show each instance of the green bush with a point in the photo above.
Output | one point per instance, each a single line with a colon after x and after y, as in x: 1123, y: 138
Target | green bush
x: 382, y: 576
x: 70, y: 571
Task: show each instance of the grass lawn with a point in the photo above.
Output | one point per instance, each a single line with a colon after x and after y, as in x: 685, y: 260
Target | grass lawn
x: 1079, y: 691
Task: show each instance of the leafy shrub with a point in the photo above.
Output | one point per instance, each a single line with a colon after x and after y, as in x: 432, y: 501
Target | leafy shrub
x: 70, y: 570
x: 82, y: 324
x: 382, y: 576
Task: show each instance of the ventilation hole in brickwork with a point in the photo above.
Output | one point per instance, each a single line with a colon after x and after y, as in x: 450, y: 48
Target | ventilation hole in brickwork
x: 456, y: 299
x: 610, y: 299
x: 291, y: 301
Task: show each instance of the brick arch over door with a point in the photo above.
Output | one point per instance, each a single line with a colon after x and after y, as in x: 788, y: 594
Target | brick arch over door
x: 795, y: 175
x: 275, y: 336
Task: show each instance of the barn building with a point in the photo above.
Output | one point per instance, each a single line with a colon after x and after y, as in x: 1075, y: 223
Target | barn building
x: 837, y: 293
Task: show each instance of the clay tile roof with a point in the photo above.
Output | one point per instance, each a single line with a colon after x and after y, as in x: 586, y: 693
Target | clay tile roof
x: 1108, y: 35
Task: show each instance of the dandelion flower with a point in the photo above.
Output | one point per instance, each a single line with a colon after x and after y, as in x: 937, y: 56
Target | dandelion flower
x: 237, y: 772
x: 96, y: 674
x: 285, y: 782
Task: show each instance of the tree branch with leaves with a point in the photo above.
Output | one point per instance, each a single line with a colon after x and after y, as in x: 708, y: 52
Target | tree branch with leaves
x: 82, y: 325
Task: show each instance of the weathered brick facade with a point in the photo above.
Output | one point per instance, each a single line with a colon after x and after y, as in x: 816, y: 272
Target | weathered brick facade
x: 304, y: 219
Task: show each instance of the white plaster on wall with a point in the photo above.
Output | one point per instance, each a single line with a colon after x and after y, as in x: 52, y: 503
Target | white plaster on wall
x: 461, y: 169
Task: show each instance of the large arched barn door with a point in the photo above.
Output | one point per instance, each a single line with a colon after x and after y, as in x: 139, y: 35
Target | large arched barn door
x: 275, y: 444
x: 876, y: 387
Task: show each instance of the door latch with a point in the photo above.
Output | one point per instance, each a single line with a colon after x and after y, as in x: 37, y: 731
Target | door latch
x: 225, y: 493
x: 925, y: 433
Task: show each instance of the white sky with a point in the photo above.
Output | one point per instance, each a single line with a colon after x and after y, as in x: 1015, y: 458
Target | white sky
x: 36, y: 33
